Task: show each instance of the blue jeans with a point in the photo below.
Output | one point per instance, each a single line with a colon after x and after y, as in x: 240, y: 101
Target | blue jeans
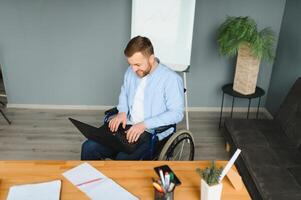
x: 92, y: 150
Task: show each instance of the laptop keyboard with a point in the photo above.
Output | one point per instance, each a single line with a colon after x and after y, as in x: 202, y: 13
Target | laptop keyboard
x: 122, y: 137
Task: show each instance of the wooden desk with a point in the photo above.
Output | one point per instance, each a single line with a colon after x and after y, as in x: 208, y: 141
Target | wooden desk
x: 135, y: 176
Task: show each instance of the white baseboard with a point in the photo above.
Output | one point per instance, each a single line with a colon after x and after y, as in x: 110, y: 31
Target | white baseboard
x: 59, y: 107
x: 228, y: 109
x: 102, y: 107
x: 225, y: 109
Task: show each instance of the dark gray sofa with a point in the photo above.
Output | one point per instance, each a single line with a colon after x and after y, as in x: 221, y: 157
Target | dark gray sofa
x: 270, y: 161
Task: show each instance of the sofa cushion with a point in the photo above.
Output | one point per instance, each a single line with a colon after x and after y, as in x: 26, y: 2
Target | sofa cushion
x: 296, y: 172
x: 266, y: 156
x: 257, y: 133
x: 244, y: 124
x: 285, y: 196
x: 277, y: 139
x: 287, y: 157
x: 293, y: 130
x: 255, y: 156
x: 276, y: 183
x: 245, y: 138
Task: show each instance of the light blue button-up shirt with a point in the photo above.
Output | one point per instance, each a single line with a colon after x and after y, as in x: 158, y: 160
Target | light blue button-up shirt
x: 163, y: 98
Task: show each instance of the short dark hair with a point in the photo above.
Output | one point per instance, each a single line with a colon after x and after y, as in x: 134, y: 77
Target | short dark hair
x: 139, y: 44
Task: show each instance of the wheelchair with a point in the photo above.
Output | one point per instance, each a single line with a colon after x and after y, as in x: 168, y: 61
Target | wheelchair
x: 177, y: 146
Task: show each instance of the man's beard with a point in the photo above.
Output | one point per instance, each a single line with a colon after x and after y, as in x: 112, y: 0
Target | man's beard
x: 142, y: 74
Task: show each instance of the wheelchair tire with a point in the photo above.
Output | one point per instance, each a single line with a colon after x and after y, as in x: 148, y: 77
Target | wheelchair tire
x: 174, y: 141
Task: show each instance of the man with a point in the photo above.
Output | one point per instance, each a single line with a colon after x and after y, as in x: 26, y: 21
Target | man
x: 151, y: 96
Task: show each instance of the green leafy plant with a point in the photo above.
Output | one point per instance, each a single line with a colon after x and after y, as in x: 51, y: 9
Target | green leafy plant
x: 210, y: 174
x: 236, y: 31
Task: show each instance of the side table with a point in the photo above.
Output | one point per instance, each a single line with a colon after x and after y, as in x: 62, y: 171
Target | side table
x: 228, y: 89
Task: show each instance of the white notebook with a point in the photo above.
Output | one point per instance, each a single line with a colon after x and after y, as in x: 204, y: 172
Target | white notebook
x: 39, y: 191
x: 95, y: 184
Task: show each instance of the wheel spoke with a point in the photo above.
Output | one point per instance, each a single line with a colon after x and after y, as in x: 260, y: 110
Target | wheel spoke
x: 176, y: 155
x: 182, y: 149
x: 176, y: 149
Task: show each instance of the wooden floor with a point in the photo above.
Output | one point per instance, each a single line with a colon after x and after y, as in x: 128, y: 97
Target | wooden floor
x: 47, y: 134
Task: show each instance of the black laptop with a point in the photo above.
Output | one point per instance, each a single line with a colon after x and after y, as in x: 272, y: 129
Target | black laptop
x: 116, y: 141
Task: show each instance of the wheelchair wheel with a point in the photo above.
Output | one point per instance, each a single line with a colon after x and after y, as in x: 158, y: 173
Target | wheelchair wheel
x: 180, y: 146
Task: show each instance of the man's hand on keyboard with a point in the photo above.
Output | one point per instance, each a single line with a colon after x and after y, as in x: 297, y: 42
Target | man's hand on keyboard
x: 116, y: 121
x: 133, y: 134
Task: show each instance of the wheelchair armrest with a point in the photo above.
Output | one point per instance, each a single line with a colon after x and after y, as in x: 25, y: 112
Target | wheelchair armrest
x: 164, y: 128
x: 110, y: 113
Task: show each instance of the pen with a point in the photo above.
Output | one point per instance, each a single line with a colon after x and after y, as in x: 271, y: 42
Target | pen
x: 156, y: 181
x: 171, y: 176
x: 158, y: 187
x: 162, y: 177
x: 167, y: 180
x: 171, y: 187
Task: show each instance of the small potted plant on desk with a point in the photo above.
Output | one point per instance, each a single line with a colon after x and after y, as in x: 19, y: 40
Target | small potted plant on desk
x: 211, y: 188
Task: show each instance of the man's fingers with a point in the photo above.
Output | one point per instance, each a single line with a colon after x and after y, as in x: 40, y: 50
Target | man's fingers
x: 124, y: 123
x: 128, y: 133
x: 111, y: 124
x: 116, y: 126
x: 136, y: 137
x: 131, y: 137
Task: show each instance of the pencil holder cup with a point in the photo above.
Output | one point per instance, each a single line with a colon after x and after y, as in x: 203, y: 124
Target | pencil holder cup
x: 164, y: 195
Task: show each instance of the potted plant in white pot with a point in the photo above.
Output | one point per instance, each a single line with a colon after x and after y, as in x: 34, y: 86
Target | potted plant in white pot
x: 239, y: 36
x: 211, y: 189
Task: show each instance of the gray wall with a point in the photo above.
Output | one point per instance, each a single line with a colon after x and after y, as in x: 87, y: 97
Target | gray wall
x: 70, y: 51
x: 287, y: 67
x: 209, y: 70
x: 63, y: 51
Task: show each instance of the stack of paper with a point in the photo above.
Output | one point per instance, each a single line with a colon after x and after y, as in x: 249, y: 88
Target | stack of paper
x: 40, y: 191
x: 95, y: 184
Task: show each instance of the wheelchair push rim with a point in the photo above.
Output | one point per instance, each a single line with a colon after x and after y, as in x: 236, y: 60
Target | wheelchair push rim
x: 179, y: 147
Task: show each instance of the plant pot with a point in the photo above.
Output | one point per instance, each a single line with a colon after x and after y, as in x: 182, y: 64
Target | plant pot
x: 246, y: 72
x: 211, y: 192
